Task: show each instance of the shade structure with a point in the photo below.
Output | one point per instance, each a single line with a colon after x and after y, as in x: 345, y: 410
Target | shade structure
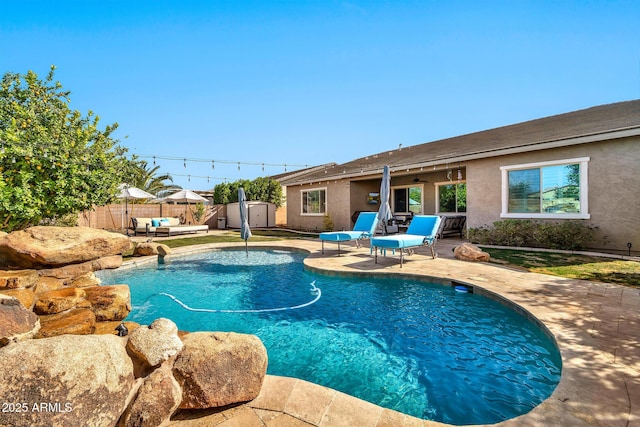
x: 185, y: 196
x: 127, y: 192
x: 245, y: 230
x: 384, y: 213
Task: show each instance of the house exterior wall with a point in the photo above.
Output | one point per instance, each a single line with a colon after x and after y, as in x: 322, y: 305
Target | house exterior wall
x: 338, y: 206
x: 614, y: 177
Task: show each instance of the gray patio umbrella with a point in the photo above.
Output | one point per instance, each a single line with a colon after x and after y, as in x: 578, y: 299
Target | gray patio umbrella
x: 384, y: 213
x: 245, y: 230
x: 127, y: 192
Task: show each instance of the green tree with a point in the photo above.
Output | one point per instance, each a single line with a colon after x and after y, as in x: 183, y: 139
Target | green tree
x: 145, y: 177
x: 222, y: 194
x: 53, y: 160
x: 263, y: 188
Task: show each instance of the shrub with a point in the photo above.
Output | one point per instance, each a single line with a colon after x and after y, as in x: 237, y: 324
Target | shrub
x: 565, y: 235
x: 327, y: 223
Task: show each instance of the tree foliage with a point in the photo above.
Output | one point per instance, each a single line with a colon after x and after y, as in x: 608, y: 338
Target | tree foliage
x: 146, y: 178
x: 263, y: 188
x: 53, y: 160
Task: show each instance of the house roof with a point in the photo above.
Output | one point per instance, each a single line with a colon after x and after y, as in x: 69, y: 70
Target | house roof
x: 594, y: 124
x: 288, y: 177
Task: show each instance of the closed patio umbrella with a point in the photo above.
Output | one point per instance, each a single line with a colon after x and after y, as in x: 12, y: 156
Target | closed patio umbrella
x: 384, y: 214
x: 127, y: 192
x: 245, y: 230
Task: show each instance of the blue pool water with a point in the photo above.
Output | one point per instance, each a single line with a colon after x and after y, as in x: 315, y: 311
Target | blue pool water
x: 419, y: 348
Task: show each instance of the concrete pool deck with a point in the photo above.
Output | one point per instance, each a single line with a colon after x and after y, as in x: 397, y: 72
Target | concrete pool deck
x: 596, y: 326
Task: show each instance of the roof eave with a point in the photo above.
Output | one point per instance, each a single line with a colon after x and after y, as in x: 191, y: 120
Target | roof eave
x: 460, y: 158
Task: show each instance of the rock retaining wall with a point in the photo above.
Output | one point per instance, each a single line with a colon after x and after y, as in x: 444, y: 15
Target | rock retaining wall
x: 61, y: 362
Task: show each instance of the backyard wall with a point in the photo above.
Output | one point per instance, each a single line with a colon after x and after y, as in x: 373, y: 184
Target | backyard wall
x: 114, y: 216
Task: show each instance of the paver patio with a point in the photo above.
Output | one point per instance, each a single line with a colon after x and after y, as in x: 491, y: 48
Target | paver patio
x: 596, y: 326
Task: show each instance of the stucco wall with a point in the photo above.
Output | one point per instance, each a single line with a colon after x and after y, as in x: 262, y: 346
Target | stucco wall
x: 338, y: 206
x: 614, y: 177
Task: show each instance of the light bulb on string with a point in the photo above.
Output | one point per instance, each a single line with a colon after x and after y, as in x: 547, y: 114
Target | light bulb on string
x: 285, y: 167
x: 154, y: 160
x: 213, y: 165
x: 184, y: 163
x: 263, y: 167
x: 238, y: 165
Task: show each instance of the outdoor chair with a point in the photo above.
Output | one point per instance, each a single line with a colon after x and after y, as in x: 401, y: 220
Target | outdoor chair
x: 363, y: 229
x: 422, y: 231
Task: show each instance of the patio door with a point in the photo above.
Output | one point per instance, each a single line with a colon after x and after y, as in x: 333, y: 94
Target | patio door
x: 407, y: 199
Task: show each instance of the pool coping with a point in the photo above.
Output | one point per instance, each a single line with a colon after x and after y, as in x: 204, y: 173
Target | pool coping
x: 595, y: 325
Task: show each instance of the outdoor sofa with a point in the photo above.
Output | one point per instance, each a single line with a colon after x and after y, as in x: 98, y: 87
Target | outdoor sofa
x: 166, y: 225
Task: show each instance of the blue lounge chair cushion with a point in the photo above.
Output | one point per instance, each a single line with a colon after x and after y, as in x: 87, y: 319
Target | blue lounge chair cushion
x: 398, y: 241
x: 422, y: 231
x: 341, y: 236
x: 364, y: 227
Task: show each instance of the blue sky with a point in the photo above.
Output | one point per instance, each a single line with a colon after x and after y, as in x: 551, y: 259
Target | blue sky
x: 312, y: 82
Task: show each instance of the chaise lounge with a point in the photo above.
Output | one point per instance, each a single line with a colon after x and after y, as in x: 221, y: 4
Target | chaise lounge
x: 168, y: 226
x: 362, y: 229
x: 421, y: 232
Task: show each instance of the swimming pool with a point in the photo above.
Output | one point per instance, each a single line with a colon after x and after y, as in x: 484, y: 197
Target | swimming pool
x: 419, y: 348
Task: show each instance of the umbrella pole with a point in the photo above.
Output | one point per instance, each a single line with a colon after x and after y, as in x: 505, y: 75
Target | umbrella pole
x: 126, y: 211
x: 246, y: 247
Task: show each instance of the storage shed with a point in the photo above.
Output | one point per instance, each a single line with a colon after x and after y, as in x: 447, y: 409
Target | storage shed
x: 261, y: 214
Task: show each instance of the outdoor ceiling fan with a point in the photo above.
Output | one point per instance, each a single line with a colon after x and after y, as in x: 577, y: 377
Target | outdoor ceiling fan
x: 417, y: 180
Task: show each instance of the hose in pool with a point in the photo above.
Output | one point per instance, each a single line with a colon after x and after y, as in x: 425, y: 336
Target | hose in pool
x: 314, y: 291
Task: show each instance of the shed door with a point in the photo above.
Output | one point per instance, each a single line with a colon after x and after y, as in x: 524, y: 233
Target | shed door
x: 258, y: 215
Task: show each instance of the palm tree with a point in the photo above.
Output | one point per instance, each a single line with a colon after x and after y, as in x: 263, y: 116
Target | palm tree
x: 145, y: 178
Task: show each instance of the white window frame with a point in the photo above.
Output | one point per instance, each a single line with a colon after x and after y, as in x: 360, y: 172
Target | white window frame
x: 437, y: 201
x: 307, y: 190
x: 392, y: 201
x: 584, y: 190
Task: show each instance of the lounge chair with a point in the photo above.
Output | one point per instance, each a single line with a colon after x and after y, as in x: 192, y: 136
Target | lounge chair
x: 362, y: 229
x: 422, y: 231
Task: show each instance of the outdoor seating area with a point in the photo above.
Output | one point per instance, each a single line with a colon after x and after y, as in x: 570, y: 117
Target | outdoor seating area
x: 422, y: 231
x: 452, y: 225
x: 363, y: 229
x: 164, y: 226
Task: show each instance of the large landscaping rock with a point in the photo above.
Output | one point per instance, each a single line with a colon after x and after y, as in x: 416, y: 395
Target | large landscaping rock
x: 66, y: 381
x: 59, y: 300
x: 79, y: 321
x: 16, y: 324
x: 151, y: 248
x: 109, y: 302
x: 26, y: 296
x: 48, y: 284
x: 156, y: 343
x: 76, y: 270
x: 469, y: 252
x: 157, y: 399
x: 219, y: 368
x: 18, y: 279
x: 102, y: 328
x: 41, y: 246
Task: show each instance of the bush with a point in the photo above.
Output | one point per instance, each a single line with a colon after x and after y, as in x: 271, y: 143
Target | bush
x: 327, y: 223
x: 565, y: 235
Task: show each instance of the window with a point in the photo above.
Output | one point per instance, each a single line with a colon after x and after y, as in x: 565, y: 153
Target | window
x: 314, y: 202
x: 407, y: 199
x: 546, y: 190
x: 452, y: 198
